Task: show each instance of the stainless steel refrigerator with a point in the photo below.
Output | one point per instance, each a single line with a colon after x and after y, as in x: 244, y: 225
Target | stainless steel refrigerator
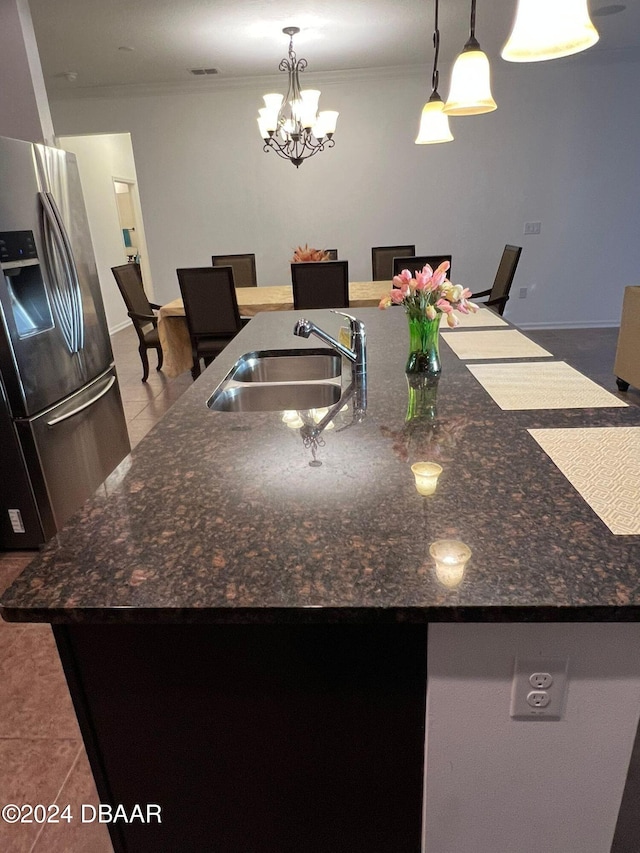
x: 62, y: 426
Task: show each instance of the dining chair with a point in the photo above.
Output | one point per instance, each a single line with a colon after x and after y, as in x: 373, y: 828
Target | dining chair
x: 382, y: 260
x: 243, y: 266
x: 498, y: 293
x: 416, y: 262
x: 321, y: 284
x: 211, y: 310
x: 129, y: 280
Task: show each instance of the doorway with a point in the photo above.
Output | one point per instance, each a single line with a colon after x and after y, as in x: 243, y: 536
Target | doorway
x: 127, y: 218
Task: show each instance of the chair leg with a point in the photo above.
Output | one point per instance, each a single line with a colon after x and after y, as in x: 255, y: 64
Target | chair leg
x: 145, y: 362
x: 160, y: 358
x: 195, y: 370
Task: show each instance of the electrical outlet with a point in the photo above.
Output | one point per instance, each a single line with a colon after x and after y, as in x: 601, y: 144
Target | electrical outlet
x: 532, y: 227
x: 538, y: 691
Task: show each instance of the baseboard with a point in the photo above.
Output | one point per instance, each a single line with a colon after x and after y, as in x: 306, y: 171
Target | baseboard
x: 564, y: 324
x: 119, y: 327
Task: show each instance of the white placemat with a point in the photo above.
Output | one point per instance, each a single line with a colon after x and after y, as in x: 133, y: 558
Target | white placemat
x: 482, y: 317
x: 501, y: 343
x: 541, y: 385
x: 603, y: 465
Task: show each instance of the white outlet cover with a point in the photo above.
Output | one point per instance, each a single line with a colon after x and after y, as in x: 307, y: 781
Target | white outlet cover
x: 521, y: 688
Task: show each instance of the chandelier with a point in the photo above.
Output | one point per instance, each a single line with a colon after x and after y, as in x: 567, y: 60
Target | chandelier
x: 292, y: 126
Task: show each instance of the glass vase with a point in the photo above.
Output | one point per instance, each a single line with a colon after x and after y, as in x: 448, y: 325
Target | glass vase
x: 423, y: 367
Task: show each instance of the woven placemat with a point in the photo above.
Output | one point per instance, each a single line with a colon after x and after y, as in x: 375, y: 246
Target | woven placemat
x: 501, y: 343
x: 482, y: 317
x: 541, y: 385
x: 603, y: 465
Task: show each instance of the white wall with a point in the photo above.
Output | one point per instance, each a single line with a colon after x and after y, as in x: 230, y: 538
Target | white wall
x: 560, y: 149
x: 496, y: 785
x: 100, y: 160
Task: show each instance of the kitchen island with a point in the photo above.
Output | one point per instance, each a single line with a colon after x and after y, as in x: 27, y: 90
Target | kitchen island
x: 245, y: 634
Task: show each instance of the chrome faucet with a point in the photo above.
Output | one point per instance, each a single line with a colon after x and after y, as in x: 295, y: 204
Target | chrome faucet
x: 358, y: 351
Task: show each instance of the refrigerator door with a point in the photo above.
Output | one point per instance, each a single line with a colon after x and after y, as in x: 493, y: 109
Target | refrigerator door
x: 53, y: 332
x: 71, y: 448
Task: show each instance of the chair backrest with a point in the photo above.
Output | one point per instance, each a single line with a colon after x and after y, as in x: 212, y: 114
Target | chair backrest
x: 416, y: 262
x: 210, y: 302
x: 382, y: 260
x: 324, y: 284
x: 504, y: 277
x: 129, y: 280
x: 244, y: 268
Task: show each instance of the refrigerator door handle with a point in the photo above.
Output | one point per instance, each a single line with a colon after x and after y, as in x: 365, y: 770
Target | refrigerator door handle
x: 66, y: 294
x: 84, y: 406
x: 74, y: 284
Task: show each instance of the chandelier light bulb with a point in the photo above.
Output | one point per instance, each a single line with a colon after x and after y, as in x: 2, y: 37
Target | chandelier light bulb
x: 549, y: 29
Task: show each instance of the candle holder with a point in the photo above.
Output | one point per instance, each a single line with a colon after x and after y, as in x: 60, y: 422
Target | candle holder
x: 451, y: 557
x: 426, y: 476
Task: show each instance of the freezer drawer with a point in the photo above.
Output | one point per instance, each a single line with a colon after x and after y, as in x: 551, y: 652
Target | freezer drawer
x: 71, y: 448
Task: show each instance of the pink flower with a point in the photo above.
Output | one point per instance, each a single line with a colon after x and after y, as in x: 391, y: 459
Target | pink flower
x: 397, y: 296
x: 466, y: 293
x: 426, y: 269
x: 444, y: 306
x: 385, y: 302
x: 404, y: 277
x: 444, y: 267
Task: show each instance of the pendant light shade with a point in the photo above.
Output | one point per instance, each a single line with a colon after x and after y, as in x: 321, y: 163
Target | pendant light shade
x: 549, y: 29
x: 434, y: 123
x: 470, y: 92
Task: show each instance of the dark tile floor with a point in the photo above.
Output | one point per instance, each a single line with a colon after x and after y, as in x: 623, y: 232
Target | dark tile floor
x: 42, y: 759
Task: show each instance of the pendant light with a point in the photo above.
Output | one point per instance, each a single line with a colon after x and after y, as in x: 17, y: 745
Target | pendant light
x: 549, y: 29
x: 470, y: 92
x: 434, y: 123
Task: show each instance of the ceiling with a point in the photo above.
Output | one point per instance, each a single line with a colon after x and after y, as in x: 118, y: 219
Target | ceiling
x: 157, y: 42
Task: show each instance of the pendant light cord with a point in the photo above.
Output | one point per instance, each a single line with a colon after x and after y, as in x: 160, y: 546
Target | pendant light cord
x: 472, y: 28
x: 436, y: 45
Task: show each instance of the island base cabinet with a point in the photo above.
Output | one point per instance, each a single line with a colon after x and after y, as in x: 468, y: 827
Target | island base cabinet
x: 255, y: 738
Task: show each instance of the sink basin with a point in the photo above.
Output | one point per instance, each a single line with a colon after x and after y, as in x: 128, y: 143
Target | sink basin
x: 274, y: 398
x: 287, y: 365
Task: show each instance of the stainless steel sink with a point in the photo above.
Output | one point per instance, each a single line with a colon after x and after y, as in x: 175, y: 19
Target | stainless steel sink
x: 287, y: 365
x: 274, y: 398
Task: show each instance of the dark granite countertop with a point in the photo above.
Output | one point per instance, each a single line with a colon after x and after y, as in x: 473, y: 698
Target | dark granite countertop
x: 220, y: 517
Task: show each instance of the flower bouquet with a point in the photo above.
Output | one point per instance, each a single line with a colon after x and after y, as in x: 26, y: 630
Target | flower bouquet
x: 306, y: 255
x: 429, y: 294
x: 425, y: 299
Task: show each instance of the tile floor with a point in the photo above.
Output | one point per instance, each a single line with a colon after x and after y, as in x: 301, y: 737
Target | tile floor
x: 42, y: 759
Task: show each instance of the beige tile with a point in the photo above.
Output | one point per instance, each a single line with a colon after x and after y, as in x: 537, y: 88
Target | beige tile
x: 34, y: 700
x: 75, y: 836
x: 31, y: 771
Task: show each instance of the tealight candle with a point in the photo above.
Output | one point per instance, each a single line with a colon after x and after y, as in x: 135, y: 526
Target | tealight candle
x: 451, y: 558
x: 426, y: 474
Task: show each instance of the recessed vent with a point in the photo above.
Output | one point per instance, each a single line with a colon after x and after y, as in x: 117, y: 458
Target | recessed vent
x: 199, y: 72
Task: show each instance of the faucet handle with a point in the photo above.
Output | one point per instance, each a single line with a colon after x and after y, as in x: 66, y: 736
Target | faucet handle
x: 357, y: 326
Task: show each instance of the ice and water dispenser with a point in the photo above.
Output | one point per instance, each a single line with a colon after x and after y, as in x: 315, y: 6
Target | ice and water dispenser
x: 28, y: 299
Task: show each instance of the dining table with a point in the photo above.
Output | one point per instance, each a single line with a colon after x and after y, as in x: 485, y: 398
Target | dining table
x: 174, y: 334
